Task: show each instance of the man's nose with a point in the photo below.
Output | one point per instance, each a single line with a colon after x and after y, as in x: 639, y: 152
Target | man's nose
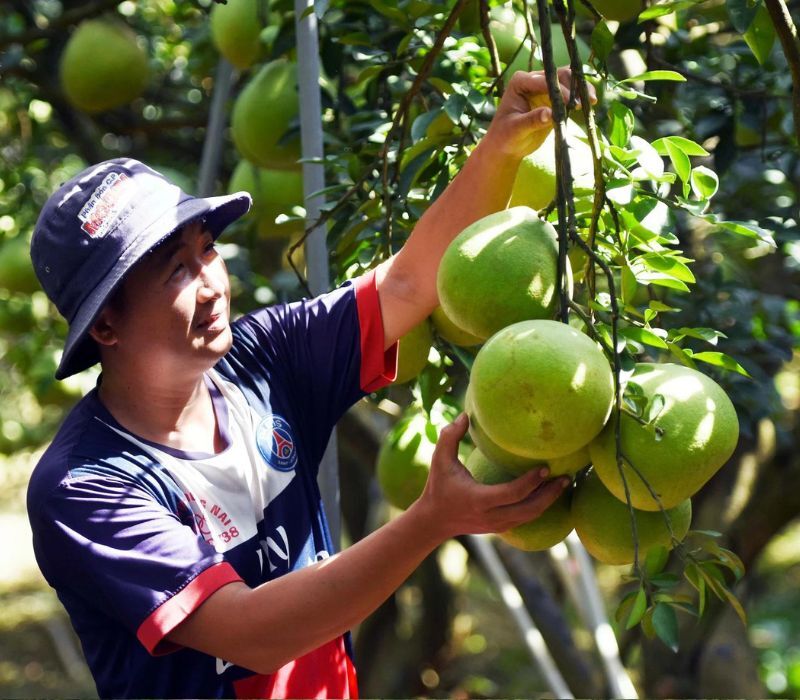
x: 211, y: 282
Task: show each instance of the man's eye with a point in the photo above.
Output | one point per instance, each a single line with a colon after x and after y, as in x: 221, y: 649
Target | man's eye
x: 176, y: 270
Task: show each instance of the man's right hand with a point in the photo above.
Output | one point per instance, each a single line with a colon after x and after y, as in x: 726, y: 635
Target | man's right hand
x: 456, y: 504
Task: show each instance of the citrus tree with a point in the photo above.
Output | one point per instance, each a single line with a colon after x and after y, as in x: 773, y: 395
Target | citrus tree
x: 669, y: 208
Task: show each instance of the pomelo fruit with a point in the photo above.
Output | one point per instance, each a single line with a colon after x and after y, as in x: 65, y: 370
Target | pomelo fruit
x: 450, y: 332
x: 412, y: 352
x: 535, y: 183
x: 262, y: 116
x: 102, y: 66
x: 618, y: 10
x: 548, y: 529
x: 508, y: 30
x: 236, y: 30
x: 680, y: 448
x: 517, y: 464
x: 274, y: 192
x: 603, y: 523
x: 404, y: 460
x: 541, y: 389
x: 16, y: 269
x: 500, y: 270
x: 560, y: 53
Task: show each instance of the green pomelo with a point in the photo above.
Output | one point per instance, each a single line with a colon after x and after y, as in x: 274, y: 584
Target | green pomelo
x: 16, y: 269
x: 102, y: 66
x: 508, y: 30
x: 560, y: 53
x: 517, y: 464
x: 548, y: 529
x: 235, y: 31
x: 680, y: 448
x: 412, y: 353
x: 263, y: 114
x: 603, y: 523
x: 404, y: 460
x: 450, y: 332
x: 535, y: 183
x: 541, y: 389
x: 500, y: 270
x: 274, y: 192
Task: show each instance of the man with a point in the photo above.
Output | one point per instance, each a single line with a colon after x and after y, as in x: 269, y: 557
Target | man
x: 176, y: 512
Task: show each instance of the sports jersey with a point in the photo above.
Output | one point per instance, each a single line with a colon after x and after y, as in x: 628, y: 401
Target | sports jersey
x: 134, y: 536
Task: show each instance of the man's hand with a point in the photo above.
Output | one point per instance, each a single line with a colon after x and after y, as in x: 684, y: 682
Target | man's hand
x: 458, y: 505
x: 519, y: 127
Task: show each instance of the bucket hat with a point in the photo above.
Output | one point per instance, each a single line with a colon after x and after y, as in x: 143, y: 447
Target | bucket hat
x: 97, y: 226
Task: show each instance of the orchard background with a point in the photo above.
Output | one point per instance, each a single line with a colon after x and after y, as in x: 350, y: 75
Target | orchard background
x: 696, y: 105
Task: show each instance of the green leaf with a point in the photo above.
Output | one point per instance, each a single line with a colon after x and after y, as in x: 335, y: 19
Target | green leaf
x: 623, y: 611
x: 760, y: 35
x: 655, y: 407
x: 689, y: 147
x: 692, y: 574
x: 454, y: 107
x: 664, y: 8
x: 670, y: 265
x: 735, y: 604
x: 656, y: 75
x: 720, y: 359
x: 638, y: 609
x: 629, y: 285
x: 665, y: 623
x: 742, y: 13
x: 655, y: 560
x: 710, y: 335
x: 643, y: 335
x: 748, y: 229
x: 622, y: 122
x: 602, y: 41
x: 705, y: 182
x: 680, y: 161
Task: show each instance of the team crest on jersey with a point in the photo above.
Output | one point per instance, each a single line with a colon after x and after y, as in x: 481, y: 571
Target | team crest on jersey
x: 276, y: 443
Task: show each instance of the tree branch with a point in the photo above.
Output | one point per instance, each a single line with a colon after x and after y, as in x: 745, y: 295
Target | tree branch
x: 787, y: 34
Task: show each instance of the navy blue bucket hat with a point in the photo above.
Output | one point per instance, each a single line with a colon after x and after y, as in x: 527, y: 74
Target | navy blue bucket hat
x: 97, y: 226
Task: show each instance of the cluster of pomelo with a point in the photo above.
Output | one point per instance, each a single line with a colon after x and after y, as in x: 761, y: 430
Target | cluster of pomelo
x: 541, y: 393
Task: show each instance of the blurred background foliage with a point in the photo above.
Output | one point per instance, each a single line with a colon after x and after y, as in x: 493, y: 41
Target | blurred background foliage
x: 445, y: 632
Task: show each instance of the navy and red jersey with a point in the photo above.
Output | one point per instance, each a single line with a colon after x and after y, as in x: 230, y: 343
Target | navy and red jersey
x: 134, y: 536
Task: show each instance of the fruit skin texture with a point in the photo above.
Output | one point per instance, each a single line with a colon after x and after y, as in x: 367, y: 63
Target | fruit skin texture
x: 404, y: 460
x: 548, y: 529
x: 541, y: 389
x: 450, y: 332
x: 236, y: 30
x: 560, y: 52
x: 412, y: 353
x: 274, y: 192
x: 535, y: 183
x: 262, y: 114
x: 603, y: 523
x: 517, y: 464
x: 618, y: 10
x: 698, y: 430
x: 102, y: 66
x: 500, y: 270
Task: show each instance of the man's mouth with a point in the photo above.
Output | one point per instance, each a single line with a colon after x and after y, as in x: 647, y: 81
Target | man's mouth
x: 215, y: 322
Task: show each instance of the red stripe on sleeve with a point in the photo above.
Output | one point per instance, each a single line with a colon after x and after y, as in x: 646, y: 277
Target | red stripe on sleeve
x: 378, y: 366
x: 167, y: 616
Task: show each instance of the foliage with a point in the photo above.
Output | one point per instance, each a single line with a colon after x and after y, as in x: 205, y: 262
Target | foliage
x: 686, y: 250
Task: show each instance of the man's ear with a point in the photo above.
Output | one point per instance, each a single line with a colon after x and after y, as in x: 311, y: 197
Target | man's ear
x: 102, y: 330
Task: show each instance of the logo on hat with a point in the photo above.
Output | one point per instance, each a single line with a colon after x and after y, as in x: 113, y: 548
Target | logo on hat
x: 105, y: 204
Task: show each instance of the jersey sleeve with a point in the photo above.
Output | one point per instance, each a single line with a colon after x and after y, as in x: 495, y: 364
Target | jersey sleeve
x: 125, y: 556
x: 326, y: 352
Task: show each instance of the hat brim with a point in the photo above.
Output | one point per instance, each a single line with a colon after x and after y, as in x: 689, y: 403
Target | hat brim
x: 80, y: 350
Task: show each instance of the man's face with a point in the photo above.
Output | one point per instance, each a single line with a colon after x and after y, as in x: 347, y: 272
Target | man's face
x: 174, y: 311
